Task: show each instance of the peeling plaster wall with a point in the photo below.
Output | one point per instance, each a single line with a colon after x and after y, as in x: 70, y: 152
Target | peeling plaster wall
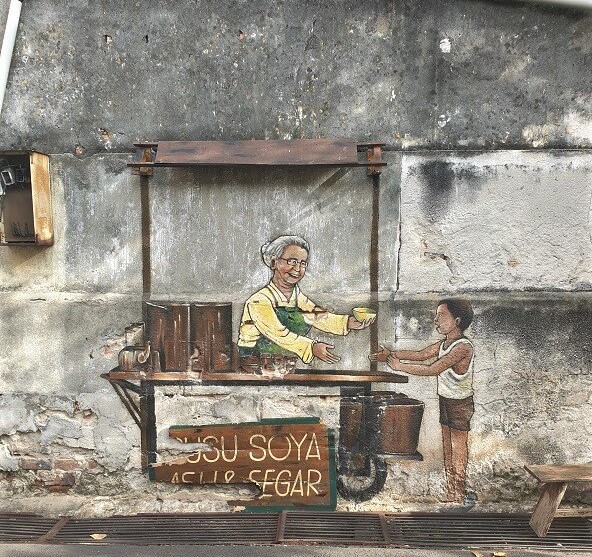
x: 510, y: 229
x: 496, y: 221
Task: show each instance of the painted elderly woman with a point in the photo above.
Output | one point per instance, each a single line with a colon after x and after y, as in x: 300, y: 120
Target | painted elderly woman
x: 277, y: 318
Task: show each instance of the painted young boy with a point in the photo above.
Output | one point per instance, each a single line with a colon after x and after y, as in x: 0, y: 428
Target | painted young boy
x: 453, y: 366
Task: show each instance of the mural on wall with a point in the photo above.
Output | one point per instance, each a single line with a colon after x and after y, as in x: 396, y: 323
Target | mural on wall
x: 273, y: 341
x: 453, y: 363
x: 277, y: 318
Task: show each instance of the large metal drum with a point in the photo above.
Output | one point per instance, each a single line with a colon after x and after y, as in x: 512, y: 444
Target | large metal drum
x: 394, y: 421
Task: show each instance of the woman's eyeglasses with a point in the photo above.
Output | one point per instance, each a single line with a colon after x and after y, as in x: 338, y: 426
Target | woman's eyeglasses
x: 292, y: 261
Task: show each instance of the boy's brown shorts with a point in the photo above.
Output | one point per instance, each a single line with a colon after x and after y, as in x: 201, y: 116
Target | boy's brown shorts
x: 457, y: 413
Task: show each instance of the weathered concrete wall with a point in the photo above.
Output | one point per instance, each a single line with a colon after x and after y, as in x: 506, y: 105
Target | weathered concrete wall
x: 435, y: 74
x: 496, y: 221
x: 509, y: 229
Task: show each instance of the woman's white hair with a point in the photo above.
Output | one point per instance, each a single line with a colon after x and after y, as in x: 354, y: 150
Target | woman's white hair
x: 273, y: 250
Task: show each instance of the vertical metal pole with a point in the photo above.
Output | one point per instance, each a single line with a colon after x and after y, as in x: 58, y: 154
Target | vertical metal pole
x: 374, y: 265
x: 148, y: 424
x: 374, y: 155
x: 147, y: 405
x: 146, y: 225
x: 14, y: 14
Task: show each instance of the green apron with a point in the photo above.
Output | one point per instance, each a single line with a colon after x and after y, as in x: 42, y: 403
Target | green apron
x: 293, y: 320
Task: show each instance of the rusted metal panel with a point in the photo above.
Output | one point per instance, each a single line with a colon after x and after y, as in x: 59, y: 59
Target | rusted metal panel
x: 289, y: 462
x: 307, y: 152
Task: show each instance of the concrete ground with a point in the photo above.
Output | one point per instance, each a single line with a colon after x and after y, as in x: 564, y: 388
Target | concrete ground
x: 30, y: 550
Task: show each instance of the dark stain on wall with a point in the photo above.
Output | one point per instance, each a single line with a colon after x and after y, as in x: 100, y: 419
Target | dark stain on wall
x: 438, y: 188
x: 446, y: 184
x: 539, y: 328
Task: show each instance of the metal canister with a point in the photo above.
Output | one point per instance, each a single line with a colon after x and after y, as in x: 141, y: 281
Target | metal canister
x: 352, y: 424
x: 191, y: 336
x: 211, y: 327
x: 394, y: 421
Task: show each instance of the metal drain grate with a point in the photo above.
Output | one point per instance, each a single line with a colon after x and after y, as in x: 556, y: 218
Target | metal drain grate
x: 16, y: 528
x: 428, y: 531
x: 340, y: 528
x: 205, y: 529
x: 484, y: 531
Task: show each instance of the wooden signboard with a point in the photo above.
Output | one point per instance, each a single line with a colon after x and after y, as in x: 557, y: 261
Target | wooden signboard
x: 292, y: 461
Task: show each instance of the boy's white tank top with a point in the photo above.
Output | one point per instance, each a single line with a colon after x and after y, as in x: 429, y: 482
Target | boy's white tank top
x: 451, y: 384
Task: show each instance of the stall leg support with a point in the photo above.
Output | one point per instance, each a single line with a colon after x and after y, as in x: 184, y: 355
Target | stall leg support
x: 148, y: 425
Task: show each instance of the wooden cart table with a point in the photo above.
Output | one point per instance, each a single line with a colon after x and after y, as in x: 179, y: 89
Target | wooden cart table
x: 143, y: 383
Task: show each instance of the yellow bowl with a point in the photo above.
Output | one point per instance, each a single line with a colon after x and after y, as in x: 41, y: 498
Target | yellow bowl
x: 361, y: 314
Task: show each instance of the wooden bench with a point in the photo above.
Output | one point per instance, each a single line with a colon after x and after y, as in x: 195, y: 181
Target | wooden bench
x: 554, y: 480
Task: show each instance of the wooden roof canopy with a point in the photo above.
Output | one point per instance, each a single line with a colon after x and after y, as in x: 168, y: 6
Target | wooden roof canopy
x: 296, y: 152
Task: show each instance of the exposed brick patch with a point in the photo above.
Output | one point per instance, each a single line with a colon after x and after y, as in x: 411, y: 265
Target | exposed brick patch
x: 59, y: 488
x: 68, y: 479
x: 67, y: 464
x: 51, y: 479
x: 32, y: 463
x: 94, y: 467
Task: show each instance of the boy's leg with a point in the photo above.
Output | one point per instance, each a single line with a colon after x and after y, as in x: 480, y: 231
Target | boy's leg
x: 448, y: 464
x: 459, y: 460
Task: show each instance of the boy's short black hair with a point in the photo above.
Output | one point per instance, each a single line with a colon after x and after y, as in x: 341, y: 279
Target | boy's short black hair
x: 461, y: 308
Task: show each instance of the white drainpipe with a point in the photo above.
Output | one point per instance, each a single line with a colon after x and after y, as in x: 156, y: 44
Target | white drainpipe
x: 14, y: 14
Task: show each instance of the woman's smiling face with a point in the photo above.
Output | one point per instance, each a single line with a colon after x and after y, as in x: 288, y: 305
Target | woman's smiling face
x: 291, y: 273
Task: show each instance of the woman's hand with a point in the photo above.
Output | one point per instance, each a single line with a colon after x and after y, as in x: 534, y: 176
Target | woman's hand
x: 354, y: 324
x: 393, y: 362
x: 380, y: 356
x: 321, y: 350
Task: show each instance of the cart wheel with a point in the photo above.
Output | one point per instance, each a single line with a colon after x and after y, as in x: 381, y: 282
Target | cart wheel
x: 363, y: 487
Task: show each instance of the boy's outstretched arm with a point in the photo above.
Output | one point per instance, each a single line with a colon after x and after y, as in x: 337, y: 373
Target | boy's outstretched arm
x: 412, y: 355
x: 459, y: 354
